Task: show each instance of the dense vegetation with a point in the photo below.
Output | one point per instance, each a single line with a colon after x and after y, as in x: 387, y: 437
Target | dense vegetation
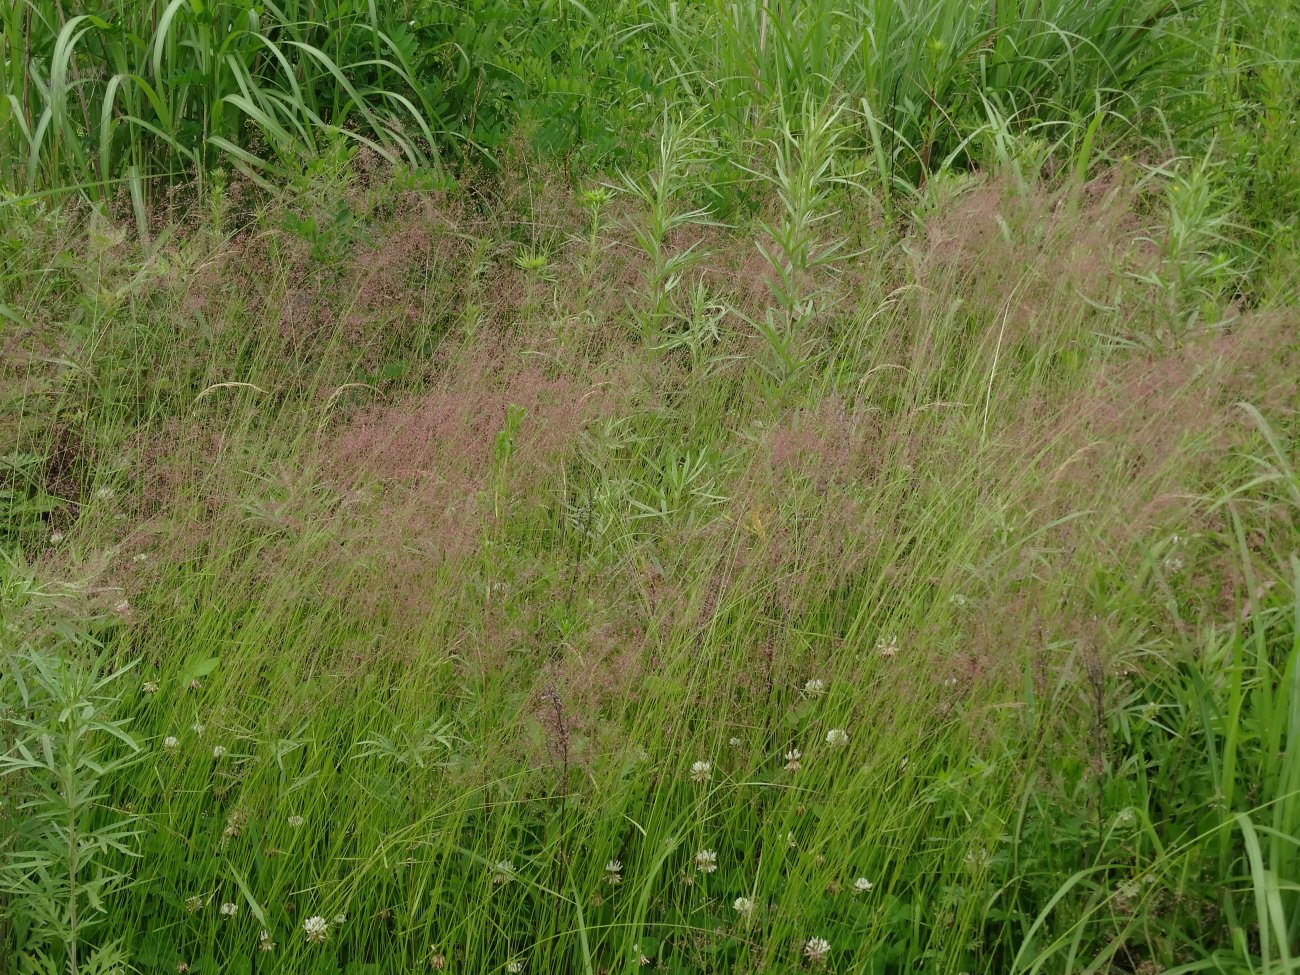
x: 697, y: 487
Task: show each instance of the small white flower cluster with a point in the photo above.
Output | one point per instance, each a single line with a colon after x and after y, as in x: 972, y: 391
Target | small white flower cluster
x: 701, y: 772
x: 837, y: 737
x: 706, y: 861
x: 862, y: 885
x: 744, y: 906
x: 887, y: 647
x: 316, y: 928
x: 502, y: 872
x: 235, y: 824
x: 816, y: 949
x: 792, y: 760
x: 1173, y: 562
x: 614, y: 872
x: 814, y: 687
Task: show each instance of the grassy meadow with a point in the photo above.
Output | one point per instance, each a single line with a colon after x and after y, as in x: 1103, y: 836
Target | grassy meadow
x: 633, y: 486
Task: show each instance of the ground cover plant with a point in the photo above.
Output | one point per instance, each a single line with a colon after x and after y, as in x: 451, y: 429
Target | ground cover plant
x: 711, y: 487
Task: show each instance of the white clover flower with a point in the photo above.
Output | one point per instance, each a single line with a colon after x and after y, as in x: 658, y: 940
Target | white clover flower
x: 887, y: 647
x: 56, y: 538
x: 837, y: 737
x: 701, y: 771
x: 229, y: 910
x: 958, y: 600
x: 641, y: 959
x: 706, y: 861
x: 734, y: 742
x: 218, y: 751
x: 171, y: 741
x: 104, y: 494
x: 123, y: 607
x: 316, y: 928
x: 789, y: 839
x: 815, y: 687
x: 264, y: 942
x: 340, y: 918
x: 235, y: 823
x: 503, y: 871
x: 792, y: 760
x: 862, y: 885
x: 295, y: 821
x: 514, y: 966
x: 743, y: 906
x: 150, y: 687
x: 194, y: 904
x: 816, y: 949
x: 614, y: 872
x: 198, y: 728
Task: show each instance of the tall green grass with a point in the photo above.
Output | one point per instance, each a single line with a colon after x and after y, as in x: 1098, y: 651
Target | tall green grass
x: 120, y: 95
x: 924, y: 77
x: 124, y: 94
